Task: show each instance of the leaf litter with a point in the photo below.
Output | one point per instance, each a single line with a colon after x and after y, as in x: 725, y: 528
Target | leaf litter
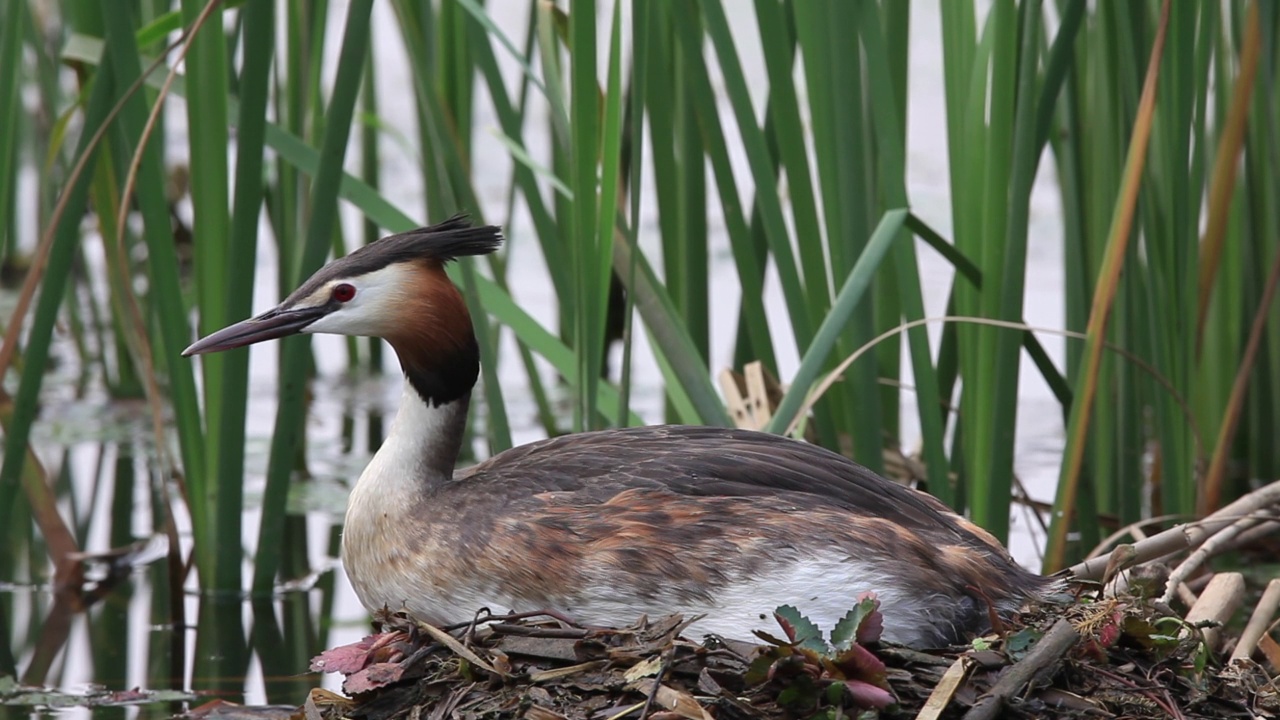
x: 1125, y: 658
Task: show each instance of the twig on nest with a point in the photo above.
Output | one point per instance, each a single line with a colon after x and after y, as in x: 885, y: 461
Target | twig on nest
x: 1189, y: 535
x: 483, y: 615
x: 1042, y: 659
x: 1158, y: 695
x: 657, y: 683
x: 539, y: 632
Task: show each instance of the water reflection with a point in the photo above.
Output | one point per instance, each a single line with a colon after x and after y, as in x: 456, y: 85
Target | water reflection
x: 127, y: 612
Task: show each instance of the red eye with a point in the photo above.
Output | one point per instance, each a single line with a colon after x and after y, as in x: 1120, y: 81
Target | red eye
x: 344, y: 292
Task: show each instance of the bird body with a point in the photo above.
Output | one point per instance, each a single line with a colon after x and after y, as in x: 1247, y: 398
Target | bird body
x: 608, y: 525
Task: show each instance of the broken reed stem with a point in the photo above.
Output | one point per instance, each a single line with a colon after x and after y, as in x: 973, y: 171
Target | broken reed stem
x: 1133, y: 530
x: 1187, y: 535
x: 1216, y: 605
x: 1258, y: 622
x: 1216, y: 543
x: 1255, y: 533
x: 1042, y: 660
x: 1185, y: 594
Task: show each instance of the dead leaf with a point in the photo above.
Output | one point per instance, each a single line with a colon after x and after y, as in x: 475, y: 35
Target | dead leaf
x: 373, y: 677
x: 1271, y: 650
x: 683, y: 704
x: 646, y: 668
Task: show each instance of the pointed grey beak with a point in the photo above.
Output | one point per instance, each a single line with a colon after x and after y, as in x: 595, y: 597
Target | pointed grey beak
x: 269, y: 325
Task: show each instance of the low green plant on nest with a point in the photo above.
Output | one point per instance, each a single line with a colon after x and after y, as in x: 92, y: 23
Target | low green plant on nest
x: 826, y: 674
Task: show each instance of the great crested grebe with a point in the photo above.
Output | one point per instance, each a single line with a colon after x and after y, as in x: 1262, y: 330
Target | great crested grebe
x: 606, y: 526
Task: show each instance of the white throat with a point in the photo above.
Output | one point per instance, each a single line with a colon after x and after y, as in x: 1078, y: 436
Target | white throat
x: 419, y: 451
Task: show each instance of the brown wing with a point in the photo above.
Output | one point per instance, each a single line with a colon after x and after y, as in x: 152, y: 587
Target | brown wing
x: 710, y: 462
x: 675, y: 514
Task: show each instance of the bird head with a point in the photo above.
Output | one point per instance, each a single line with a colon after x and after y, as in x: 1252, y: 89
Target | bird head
x: 394, y: 288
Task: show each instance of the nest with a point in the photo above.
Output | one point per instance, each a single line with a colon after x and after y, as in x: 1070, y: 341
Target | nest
x: 1094, y: 658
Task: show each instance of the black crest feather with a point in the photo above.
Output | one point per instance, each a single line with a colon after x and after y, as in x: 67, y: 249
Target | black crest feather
x: 443, y: 242
x: 446, y: 241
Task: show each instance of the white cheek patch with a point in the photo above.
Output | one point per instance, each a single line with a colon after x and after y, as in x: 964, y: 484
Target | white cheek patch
x: 325, y: 324
x: 366, y: 313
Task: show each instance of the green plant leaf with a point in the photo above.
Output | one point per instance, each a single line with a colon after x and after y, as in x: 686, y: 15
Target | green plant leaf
x: 850, y: 628
x: 1020, y: 642
x: 800, y: 629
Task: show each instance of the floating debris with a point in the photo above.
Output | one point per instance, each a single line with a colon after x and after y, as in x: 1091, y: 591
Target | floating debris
x: 14, y: 693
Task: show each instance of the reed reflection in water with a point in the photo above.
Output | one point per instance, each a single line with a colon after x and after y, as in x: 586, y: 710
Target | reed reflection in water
x: 130, y: 613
